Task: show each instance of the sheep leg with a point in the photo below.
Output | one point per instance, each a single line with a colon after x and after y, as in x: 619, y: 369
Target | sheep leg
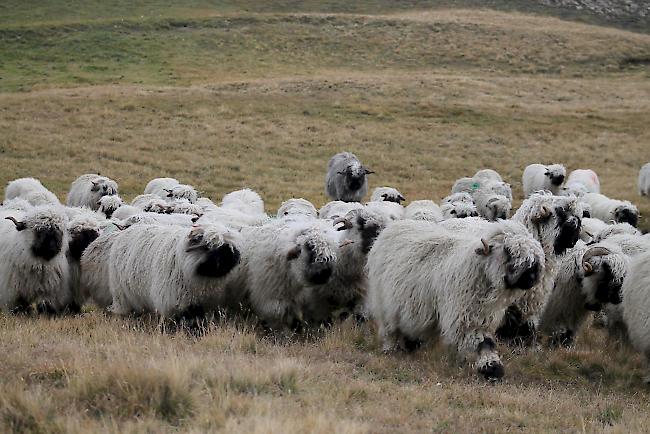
x: 390, y: 338
x: 515, y: 328
x: 21, y: 307
x: 480, y: 342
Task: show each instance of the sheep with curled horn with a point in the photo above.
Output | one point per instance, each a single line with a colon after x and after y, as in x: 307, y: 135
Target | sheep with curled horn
x: 172, y: 271
x: 34, y: 267
x: 346, y: 289
x: 387, y: 194
x: 612, y: 210
x: 285, y: 260
x: 32, y: 191
x: 425, y: 280
x: 588, y: 279
x: 540, y: 177
x: 346, y: 178
x: 554, y: 221
x: 87, y: 189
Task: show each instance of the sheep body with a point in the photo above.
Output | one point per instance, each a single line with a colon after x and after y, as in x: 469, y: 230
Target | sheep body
x: 34, y: 266
x: 337, y: 208
x: 588, y: 277
x: 30, y: 190
x: 297, y: 207
x: 107, y: 205
x: 346, y: 178
x: 539, y: 177
x: 608, y: 210
x: 644, y: 180
x: 587, y: 177
x: 426, y: 210
x: 245, y: 200
x: 87, y: 189
x: 458, y: 205
x: 425, y: 279
x: 390, y: 211
x: 492, y: 206
x: 388, y: 194
x: 170, y: 270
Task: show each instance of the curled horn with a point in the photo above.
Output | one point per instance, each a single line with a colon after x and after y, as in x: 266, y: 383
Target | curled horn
x: 543, y: 215
x: 485, y: 250
x: 347, y: 224
x: 593, y: 251
x: 19, y: 225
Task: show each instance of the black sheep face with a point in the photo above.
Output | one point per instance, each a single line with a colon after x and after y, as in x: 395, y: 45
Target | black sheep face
x: 556, y: 179
x: 569, y: 230
x: 626, y: 215
x: 369, y: 232
x: 218, y: 262
x: 601, y: 285
x: 47, y: 242
x: 355, y: 177
x: 521, y: 276
x: 318, y: 272
x: 80, y: 240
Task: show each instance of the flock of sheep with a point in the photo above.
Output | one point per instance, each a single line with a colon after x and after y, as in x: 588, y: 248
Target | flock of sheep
x: 465, y: 270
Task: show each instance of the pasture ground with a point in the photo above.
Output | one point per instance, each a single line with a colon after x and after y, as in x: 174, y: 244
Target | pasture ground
x: 224, y: 95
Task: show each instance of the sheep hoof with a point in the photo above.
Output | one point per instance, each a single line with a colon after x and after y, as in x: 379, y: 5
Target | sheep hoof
x: 46, y: 308
x: 411, y: 345
x: 492, y: 370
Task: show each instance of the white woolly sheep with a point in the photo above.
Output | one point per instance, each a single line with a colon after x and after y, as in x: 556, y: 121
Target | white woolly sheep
x: 107, y: 205
x: 608, y: 210
x: 588, y: 278
x: 492, y: 206
x: 88, y: 189
x: 390, y: 211
x: 32, y: 191
x: 206, y: 204
x: 33, y: 266
x: 590, y: 228
x: 388, y: 194
x: 636, y: 305
x: 152, y: 218
x: 346, y: 178
x: 644, y: 180
x: 458, y: 205
x: 538, y: 177
x: 151, y: 203
x: 171, y: 188
x: 426, y: 210
x: 184, y: 206
x: 348, y: 285
x: 425, y: 280
x: 465, y: 185
x: 286, y: 259
x: 297, y: 207
x: 555, y: 222
x: 95, y: 271
x: 233, y: 218
x: 245, y: 200
x: 337, y: 208
x: 172, y: 271
x: 488, y: 175
x: 124, y: 212
x: 587, y: 178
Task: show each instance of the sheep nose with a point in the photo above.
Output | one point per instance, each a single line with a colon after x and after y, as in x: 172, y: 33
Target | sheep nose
x: 558, y: 180
x: 528, y: 278
x: 319, y: 274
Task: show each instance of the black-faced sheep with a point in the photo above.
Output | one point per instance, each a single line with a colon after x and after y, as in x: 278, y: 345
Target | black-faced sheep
x: 346, y: 178
x: 611, y: 210
x: 388, y: 194
x: 34, y: 267
x: 171, y: 270
x: 425, y: 280
x: 88, y: 189
x: 588, y: 278
x: 538, y: 177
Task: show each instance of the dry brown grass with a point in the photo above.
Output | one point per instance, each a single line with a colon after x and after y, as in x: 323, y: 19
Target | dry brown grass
x: 514, y: 89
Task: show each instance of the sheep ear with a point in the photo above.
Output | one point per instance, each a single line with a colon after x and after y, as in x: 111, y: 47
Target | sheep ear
x: 293, y: 253
x: 19, y: 225
x: 400, y: 198
x: 368, y: 171
x: 485, y: 248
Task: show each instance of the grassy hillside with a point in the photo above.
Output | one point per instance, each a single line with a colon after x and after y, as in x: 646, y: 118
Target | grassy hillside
x: 224, y: 95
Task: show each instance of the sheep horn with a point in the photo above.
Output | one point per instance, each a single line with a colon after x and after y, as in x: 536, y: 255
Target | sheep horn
x: 368, y: 171
x: 347, y: 224
x: 486, y: 247
x: 543, y: 215
x: 587, y: 267
x: 590, y: 253
x: 19, y: 225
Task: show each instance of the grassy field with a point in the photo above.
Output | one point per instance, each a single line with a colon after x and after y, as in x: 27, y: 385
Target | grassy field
x: 225, y: 94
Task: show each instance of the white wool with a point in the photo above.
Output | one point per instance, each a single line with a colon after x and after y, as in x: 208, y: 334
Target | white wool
x: 88, y: 189
x: 426, y: 210
x: 337, y: 208
x: 540, y: 177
